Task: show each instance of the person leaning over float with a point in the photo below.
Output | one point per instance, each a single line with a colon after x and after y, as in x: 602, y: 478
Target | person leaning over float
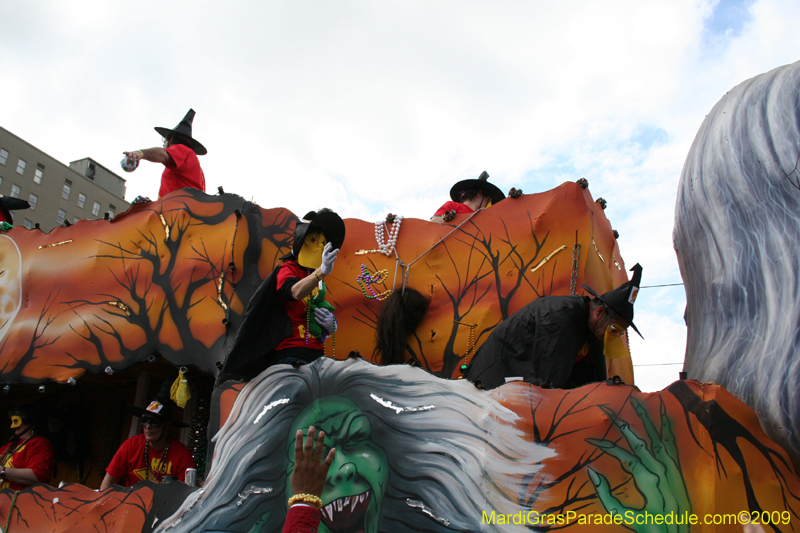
x: 29, y: 457
x: 288, y: 319
x: 153, y: 454
x: 558, y: 341
x: 179, y: 157
x: 467, y: 196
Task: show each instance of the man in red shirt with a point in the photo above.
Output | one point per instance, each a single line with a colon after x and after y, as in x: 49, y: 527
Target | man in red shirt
x: 153, y: 454
x: 179, y: 157
x: 467, y: 196
x: 28, y: 459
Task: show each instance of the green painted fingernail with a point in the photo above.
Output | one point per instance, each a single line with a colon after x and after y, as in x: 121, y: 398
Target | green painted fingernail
x: 593, y: 476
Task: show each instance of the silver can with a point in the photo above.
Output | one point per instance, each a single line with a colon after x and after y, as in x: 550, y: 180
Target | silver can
x: 191, y: 477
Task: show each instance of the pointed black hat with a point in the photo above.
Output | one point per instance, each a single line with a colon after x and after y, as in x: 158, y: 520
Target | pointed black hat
x: 162, y: 406
x: 184, y: 129
x: 326, y: 222
x: 621, y: 299
x: 481, y: 184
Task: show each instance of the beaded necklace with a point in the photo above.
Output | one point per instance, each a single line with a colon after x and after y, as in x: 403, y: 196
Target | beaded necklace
x: 10, y: 453
x: 162, y: 462
x: 386, y: 248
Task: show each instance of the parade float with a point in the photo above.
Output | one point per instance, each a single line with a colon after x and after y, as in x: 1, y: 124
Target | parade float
x: 96, y: 314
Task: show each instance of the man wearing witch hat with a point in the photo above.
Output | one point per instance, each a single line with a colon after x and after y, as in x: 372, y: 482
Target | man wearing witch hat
x: 467, y: 196
x: 288, y: 319
x: 559, y: 341
x: 179, y: 157
x: 155, y: 453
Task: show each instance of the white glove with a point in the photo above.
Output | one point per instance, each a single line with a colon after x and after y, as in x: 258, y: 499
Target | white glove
x: 325, y: 319
x: 328, y: 257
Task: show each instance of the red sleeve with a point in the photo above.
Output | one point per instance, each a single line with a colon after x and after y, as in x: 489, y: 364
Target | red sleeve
x: 288, y: 274
x: 459, y: 208
x: 183, y: 461
x: 301, y: 519
x: 179, y: 154
x: 3, y: 450
x: 40, y: 458
x: 118, y: 467
x: 447, y: 206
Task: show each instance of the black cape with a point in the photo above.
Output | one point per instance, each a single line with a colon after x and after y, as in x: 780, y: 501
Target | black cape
x: 264, y: 326
x: 540, y: 343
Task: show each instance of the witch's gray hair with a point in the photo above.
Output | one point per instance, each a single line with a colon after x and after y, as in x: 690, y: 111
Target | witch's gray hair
x: 737, y: 236
x: 453, y: 450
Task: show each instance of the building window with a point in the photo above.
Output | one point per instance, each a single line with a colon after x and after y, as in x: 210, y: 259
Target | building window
x: 75, y: 219
x: 66, y: 190
x: 32, y: 200
x: 3, y: 156
x: 81, y: 200
x: 112, y: 210
x: 61, y: 216
x: 15, y: 191
x: 21, y: 166
x: 28, y: 224
x: 38, y: 173
x: 96, y: 209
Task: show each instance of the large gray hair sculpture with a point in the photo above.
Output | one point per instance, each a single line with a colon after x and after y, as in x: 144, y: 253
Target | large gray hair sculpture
x: 452, y: 452
x: 737, y: 236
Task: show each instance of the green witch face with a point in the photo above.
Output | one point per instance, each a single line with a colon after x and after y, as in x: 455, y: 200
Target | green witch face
x: 359, y: 474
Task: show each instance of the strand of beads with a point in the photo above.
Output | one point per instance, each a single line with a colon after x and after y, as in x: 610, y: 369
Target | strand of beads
x: 367, y: 279
x: 386, y: 248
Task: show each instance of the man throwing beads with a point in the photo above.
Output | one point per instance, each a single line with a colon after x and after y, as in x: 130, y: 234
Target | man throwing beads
x: 179, y: 157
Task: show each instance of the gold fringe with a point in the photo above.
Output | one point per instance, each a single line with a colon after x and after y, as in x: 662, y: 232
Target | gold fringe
x: 598, y: 251
x: 546, y: 259
x: 55, y: 244
x: 121, y: 306
x: 166, y: 227
x: 219, y: 291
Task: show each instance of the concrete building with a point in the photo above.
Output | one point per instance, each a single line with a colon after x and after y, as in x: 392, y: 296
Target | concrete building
x: 56, y: 192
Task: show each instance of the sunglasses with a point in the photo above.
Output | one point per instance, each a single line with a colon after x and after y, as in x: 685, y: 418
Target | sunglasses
x: 152, y: 422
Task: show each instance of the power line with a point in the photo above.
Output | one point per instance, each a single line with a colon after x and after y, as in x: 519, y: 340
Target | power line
x: 667, y: 285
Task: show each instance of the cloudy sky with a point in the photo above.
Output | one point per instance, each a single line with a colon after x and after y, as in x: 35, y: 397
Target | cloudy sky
x: 372, y: 107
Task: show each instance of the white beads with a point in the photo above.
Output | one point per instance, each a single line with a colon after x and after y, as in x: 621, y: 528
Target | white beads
x: 388, y: 247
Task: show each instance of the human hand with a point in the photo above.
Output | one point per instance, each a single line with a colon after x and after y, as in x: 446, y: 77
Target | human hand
x: 328, y: 257
x: 134, y: 156
x: 309, y: 474
x: 325, y: 318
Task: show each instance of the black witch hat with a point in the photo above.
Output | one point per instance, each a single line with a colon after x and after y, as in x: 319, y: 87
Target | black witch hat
x: 481, y: 184
x: 326, y: 222
x: 162, y: 407
x: 621, y: 299
x: 184, y: 129
x: 8, y: 204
